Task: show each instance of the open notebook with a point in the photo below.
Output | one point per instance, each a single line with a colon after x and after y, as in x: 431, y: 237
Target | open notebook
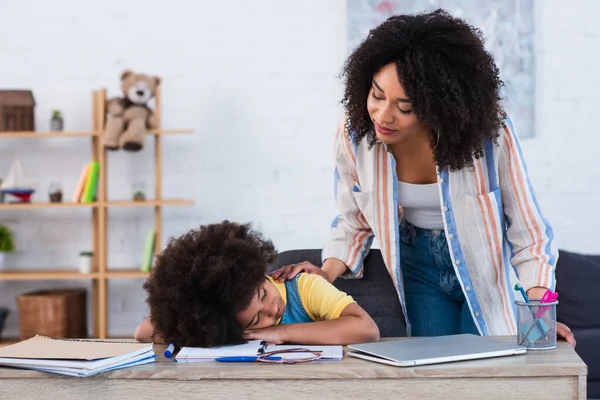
x: 75, y: 357
x: 251, y: 349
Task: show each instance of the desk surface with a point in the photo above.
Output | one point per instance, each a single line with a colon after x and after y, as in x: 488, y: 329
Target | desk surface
x: 562, y: 361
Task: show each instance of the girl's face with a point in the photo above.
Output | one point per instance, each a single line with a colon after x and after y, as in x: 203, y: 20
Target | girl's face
x: 265, y: 309
x: 390, y: 109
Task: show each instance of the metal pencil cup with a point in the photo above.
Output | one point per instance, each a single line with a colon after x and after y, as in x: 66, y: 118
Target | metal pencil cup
x: 536, y: 325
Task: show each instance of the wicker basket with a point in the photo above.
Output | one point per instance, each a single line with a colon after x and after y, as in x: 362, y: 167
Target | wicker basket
x: 53, y: 313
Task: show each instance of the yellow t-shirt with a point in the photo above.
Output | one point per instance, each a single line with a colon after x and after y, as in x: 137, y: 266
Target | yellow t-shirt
x: 321, y: 300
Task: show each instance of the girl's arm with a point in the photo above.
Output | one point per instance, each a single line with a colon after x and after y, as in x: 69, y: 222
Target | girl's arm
x: 354, y: 325
x: 145, y: 333
x: 339, y: 319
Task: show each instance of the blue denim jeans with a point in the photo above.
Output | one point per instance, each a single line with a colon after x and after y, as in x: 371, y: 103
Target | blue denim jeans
x: 435, y: 302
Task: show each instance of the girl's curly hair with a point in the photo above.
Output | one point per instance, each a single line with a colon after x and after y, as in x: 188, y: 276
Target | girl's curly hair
x: 451, y: 80
x: 202, y: 279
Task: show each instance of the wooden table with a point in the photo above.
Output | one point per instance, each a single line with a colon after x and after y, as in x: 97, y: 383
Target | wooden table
x: 555, y: 374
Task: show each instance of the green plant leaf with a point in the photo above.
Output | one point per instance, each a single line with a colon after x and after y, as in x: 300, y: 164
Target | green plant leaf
x: 7, y: 242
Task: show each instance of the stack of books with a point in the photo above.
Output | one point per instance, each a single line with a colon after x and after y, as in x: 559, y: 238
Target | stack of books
x: 75, y: 357
x: 87, y: 186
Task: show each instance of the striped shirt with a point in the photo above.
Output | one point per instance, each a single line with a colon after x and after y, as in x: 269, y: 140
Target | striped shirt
x: 496, y: 232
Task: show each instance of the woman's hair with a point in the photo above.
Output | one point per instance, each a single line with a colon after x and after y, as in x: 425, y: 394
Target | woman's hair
x: 451, y: 80
x: 202, y: 279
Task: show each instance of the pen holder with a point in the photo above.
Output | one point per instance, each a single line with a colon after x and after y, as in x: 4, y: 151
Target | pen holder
x: 536, y: 325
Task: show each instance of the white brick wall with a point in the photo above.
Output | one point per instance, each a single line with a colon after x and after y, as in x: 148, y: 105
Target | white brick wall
x: 258, y: 82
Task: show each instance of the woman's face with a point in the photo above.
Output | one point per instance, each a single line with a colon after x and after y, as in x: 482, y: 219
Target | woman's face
x: 390, y: 109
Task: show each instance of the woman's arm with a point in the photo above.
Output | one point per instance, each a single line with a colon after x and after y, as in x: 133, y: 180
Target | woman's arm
x: 534, y: 253
x: 350, y: 236
x: 331, y: 270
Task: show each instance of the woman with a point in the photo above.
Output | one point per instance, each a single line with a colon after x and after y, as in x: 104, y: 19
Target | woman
x: 429, y: 164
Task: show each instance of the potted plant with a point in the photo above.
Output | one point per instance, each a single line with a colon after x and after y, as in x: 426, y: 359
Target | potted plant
x: 56, y: 123
x: 85, y: 262
x: 6, y: 243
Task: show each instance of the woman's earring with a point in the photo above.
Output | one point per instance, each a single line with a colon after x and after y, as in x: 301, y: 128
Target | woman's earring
x: 437, y: 138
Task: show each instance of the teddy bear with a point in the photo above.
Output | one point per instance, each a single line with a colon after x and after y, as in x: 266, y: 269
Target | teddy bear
x: 129, y: 117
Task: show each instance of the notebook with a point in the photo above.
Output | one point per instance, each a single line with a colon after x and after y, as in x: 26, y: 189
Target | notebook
x: 434, y: 350
x: 252, y: 348
x: 75, y: 357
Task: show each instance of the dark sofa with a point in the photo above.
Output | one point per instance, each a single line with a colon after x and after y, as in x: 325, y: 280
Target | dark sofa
x: 577, y: 278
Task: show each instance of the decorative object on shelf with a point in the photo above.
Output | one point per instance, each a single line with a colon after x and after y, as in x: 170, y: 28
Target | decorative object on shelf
x: 16, y: 187
x: 17, y: 111
x: 130, y: 117
x: 56, y: 123
x: 139, y: 190
x: 87, y: 187
x: 7, y: 243
x: 148, y: 255
x: 54, y: 313
x: 3, y: 314
x: 85, y: 262
x: 55, y: 192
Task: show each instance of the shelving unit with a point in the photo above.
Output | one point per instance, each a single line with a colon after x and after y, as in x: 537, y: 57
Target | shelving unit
x: 101, y: 272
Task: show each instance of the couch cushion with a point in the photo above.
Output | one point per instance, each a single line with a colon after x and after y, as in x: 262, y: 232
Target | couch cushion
x: 588, y: 348
x: 374, y: 292
x: 577, y: 277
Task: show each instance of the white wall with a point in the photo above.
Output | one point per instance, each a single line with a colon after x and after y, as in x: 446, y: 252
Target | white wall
x: 258, y: 82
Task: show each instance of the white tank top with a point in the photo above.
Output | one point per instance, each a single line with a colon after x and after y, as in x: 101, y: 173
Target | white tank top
x: 421, y: 205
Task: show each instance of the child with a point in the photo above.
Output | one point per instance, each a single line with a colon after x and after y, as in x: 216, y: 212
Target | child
x: 209, y: 288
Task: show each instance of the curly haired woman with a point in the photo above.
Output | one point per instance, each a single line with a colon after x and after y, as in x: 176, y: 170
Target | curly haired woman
x: 429, y: 164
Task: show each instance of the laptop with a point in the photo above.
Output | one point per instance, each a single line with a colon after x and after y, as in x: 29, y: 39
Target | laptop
x: 415, y: 351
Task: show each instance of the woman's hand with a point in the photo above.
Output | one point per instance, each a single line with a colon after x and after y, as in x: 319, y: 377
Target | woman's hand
x: 564, y: 332
x: 290, y: 271
x: 271, y: 334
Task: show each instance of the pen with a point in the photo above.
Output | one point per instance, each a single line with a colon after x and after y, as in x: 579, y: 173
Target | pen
x: 519, y: 287
x: 170, y: 350
x: 245, y: 359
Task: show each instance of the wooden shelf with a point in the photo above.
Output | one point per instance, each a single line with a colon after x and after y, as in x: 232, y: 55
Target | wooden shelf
x: 149, y: 202
x: 31, y: 135
x: 126, y: 273
x: 113, y: 203
x: 36, y: 135
x: 45, y: 205
x: 39, y: 274
x: 169, y: 131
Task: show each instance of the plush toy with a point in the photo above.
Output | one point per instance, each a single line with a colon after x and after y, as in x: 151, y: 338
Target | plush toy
x: 129, y: 117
